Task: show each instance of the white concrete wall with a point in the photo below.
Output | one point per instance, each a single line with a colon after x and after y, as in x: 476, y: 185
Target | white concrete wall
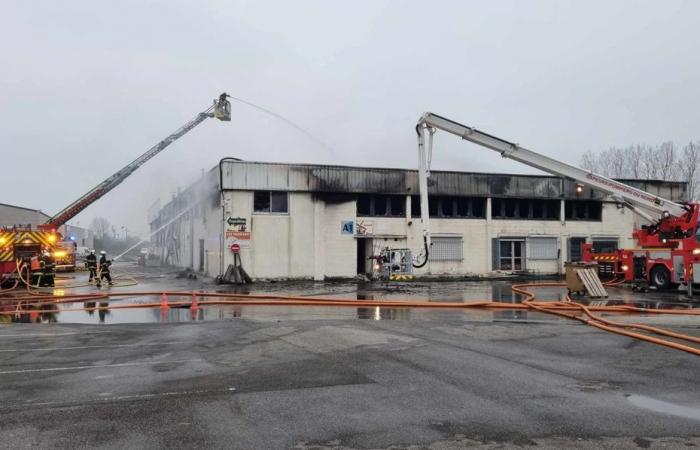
x: 307, y: 243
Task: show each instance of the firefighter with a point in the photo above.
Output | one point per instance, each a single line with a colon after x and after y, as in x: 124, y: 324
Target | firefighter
x: 48, y: 268
x: 104, y: 269
x: 91, y: 263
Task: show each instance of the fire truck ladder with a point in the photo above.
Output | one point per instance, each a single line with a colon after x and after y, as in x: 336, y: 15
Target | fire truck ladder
x: 221, y: 109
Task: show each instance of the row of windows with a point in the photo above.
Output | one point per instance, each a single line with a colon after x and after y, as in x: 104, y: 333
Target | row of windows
x: 369, y: 205
x: 512, y: 208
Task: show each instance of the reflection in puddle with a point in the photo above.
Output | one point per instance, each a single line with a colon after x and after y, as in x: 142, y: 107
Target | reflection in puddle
x: 450, y: 291
x: 660, y: 406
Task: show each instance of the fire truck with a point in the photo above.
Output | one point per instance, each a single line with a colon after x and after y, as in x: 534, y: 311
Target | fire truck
x: 20, y: 244
x: 668, y: 247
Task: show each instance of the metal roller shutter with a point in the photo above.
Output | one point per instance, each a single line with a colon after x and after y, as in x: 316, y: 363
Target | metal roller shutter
x: 542, y: 248
x: 447, y: 249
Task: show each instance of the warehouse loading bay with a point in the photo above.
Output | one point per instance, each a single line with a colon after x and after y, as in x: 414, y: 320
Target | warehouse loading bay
x: 84, y: 373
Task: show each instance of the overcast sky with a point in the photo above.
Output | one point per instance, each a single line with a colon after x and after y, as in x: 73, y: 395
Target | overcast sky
x: 87, y: 86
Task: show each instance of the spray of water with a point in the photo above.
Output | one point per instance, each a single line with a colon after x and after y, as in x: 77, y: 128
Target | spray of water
x: 153, y: 232
x: 288, y: 122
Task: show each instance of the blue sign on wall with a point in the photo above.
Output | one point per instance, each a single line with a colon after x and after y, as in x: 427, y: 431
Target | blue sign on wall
x: 347, y: 227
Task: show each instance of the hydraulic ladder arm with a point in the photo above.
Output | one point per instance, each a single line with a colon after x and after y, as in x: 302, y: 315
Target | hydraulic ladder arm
x: 221, y: 109
x: 652, y: 208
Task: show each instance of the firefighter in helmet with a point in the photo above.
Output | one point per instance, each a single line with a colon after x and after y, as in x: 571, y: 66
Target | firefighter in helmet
x: 48, y: 268
x: 104, y: 269
x: 91, y: 263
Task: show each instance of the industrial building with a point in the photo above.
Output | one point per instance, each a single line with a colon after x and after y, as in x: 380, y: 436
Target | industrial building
x: 11, y: 215
x: 302, y: 221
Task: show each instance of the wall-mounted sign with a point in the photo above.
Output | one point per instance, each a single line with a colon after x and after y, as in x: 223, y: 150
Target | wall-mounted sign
x: 364, y: 228
x: 233, y: 221
x: 238, y: 235
x: 347, y: 227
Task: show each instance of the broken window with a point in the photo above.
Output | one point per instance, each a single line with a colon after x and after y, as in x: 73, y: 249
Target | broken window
x: 589, y: 210
x: 379, y: 205
x: 397, y: 206
x: 444, y: 206
x: 270, y: 202
x: 532, y: 208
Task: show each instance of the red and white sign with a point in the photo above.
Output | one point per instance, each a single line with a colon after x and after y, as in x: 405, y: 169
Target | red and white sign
x: 235, y: 248
x: 238, y: 235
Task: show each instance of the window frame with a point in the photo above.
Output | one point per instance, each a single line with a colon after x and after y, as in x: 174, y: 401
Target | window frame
x: 269, y: 211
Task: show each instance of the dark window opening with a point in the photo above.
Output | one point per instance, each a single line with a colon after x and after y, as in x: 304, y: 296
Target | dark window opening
x: 433, y: 207
x: 447, y: 207
x: 279, y: 202
x: 464, y: 207
x: 509, y: 208
x: 590, y: 210
x: 415, y: 206
x: 478, y: 207
x: 537, y: 209
x: 380, y: 202
x: 397, y: 206
x: 363, y: 205
x: 552, y: 209
x: 376, y: 205
x: 261, y: 201
x: 443, y: 206
x: 270, y: 202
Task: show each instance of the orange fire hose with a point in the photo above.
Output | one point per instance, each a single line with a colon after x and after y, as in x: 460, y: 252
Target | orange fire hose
x: 568, y: 309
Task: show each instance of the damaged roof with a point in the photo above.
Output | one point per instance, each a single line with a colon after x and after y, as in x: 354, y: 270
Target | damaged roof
x: 247, y: 175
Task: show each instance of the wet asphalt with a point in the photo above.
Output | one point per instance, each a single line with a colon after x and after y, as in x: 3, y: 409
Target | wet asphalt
x: 351, y: 378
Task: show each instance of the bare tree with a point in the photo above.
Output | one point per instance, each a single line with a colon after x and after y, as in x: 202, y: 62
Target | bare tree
x: 650, y: 163
x: 634, y: 160
x: 615, y: 162
x: 666, y: 154
x: 687, y: 168
x: 100, y: 226
x: 589, y: 161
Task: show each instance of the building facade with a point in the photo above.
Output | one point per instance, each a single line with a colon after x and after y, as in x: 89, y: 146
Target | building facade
x: 296, y: 221
x: 11, y: 215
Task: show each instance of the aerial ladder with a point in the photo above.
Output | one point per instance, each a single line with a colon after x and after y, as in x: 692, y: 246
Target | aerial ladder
x: 19, y: 244
x: 668, y: 249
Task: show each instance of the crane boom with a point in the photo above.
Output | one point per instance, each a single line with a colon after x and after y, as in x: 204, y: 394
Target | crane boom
x: 221, y: 109
x: 627, y: 194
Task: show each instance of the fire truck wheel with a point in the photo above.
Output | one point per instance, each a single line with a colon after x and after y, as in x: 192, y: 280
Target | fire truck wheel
x: 660, y: 277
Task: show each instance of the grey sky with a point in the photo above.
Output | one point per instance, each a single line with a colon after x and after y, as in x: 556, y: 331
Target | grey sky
x: 87, y: 86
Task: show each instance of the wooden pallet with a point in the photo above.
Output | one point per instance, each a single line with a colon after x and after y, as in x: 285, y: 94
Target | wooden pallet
x: 590, y: 280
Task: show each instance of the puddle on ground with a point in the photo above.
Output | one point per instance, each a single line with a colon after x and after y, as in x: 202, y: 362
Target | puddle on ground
x: 663, y: 407
x: 443, y: 291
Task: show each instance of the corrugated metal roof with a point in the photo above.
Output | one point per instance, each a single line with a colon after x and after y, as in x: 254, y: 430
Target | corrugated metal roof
x: 250, y: 176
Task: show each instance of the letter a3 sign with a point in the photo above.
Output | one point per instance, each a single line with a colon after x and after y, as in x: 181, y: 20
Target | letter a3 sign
x: 347, y: 227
